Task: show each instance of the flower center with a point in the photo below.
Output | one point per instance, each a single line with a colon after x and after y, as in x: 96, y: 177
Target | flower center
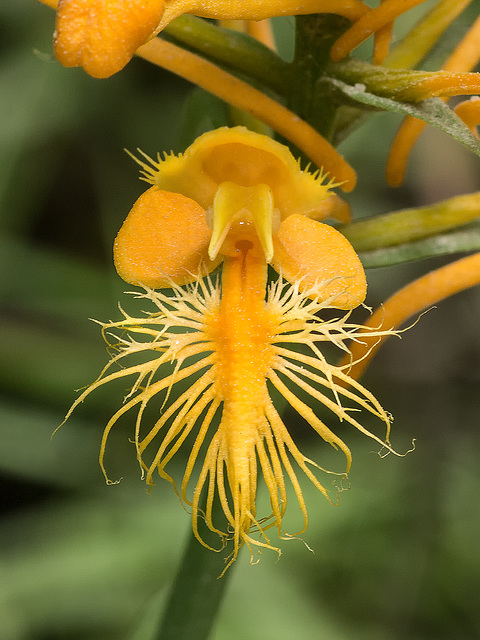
x: 243, y: 215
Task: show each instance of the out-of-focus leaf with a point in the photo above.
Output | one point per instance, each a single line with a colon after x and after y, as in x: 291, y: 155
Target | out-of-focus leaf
x: 150, y: 619
x: 45, y: 364
x: 28, y: 451
x: 44, y: 281
x: 85, y: 567
x: 199, y: 587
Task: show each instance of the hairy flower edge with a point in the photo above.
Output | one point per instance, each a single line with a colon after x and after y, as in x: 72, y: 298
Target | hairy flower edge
x: 178, y: 336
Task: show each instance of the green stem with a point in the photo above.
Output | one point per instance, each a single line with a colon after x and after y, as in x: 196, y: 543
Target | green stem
x: 467, y: 239
x: 408, y: 225
x: 315, y: 35
x: 402, y: 85
x: 238, y: 51
x: 197, y: 592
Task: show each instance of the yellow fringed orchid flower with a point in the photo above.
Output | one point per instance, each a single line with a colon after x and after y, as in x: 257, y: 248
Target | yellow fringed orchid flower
x: 240, y: 200
x: 102, y: 35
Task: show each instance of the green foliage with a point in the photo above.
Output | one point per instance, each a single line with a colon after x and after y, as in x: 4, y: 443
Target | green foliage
x: 432, y: 111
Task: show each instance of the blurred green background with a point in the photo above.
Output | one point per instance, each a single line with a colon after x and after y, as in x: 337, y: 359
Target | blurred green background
x: 398, y: 558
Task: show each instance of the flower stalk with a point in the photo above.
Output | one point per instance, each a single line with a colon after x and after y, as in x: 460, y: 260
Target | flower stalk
x: 197, y: 593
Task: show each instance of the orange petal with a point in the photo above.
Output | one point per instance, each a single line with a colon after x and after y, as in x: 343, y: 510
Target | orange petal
x: 332, y: 207
x: 404, y: 141
x: 467, y: 54
x: 165, y: 237
x: 469, y: 112
x: 260, y: 9
x: 262, y: 31
x: 248, y: 159
x: 370, y: 23
x: 381, y: 43
x: 102, y: 36
x: 409, y: 301
x: 464, y: 58
x: 317, y: 254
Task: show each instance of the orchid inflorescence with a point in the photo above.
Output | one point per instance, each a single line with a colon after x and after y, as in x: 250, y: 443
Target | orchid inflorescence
x: 224, y: 338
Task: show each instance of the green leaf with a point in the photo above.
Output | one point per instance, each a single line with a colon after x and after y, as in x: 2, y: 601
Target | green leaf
x: 88, y: 565
x: 432, y: 111
x: 408, y: 225
x: 468, y: 239
x: 415, y: 234
x: 147, y: 628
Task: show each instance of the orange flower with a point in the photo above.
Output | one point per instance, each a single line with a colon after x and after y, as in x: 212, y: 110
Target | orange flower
x: 238, y: 199
x: 102, y: 36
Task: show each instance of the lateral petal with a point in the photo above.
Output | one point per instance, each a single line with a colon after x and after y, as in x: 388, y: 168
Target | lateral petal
x: 316, y: 254
x: 165, y: 237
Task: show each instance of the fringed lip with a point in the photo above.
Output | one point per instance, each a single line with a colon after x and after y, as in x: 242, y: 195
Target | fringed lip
x: 177, y: 334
